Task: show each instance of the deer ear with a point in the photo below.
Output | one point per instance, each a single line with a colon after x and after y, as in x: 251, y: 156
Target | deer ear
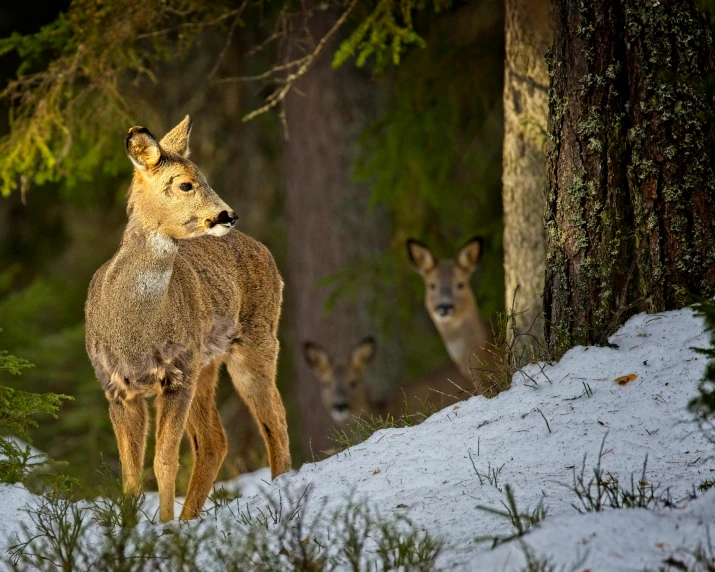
x: 317, y: 358
x: 177, y: 140
x: 142, y: 148
x: 421, y: 256
x: 363, y: 353
x: 470, y: 254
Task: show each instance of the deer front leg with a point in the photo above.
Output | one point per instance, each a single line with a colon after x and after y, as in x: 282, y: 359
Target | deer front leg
x: 172, y: 409
x: 129, y: 420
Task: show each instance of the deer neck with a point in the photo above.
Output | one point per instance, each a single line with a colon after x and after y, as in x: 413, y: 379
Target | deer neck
x: 143, y: 266
x: 465, y: 337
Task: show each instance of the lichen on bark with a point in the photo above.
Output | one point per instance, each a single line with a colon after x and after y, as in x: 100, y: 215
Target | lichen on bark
x: 630, y: 190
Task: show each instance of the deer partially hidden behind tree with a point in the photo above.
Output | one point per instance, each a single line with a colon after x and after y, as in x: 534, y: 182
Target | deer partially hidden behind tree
x: 183, y: 294
x: 345, y: 395
x: 453, y: 308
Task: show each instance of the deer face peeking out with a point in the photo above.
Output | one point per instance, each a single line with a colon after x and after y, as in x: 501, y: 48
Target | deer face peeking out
x: 183, y: 294
x: 344, y: 394
x: 450, y: 301
x: 342, y: 389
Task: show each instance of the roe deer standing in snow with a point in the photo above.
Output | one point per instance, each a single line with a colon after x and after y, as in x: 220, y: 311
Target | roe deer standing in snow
x: 182, y: 295
x: 345, y: 395
x: 452, y: 306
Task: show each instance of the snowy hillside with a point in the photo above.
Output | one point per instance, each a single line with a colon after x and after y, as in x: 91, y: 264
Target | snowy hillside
x: 533, y: 437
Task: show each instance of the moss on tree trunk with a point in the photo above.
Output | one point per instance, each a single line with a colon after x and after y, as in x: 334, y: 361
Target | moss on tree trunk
x: 630, y: 184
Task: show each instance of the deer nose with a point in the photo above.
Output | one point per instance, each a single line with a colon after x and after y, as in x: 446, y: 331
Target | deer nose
x: 226, y: 218
x: 445, y: 309
x: 340, y: 407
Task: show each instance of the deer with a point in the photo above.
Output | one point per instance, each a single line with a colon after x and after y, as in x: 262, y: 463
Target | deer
x: 451, y: 305
x: 344, y: 393
x: 184, y: 293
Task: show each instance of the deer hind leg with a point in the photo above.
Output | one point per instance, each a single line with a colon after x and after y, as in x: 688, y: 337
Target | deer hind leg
x: 208, y: 442
x: 172, y: 409
x: 129, y: 420
x: 252, y: 367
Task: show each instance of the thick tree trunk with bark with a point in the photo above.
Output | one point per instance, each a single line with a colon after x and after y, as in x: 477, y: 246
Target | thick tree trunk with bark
x: 329, y: 223
x: 631, y: 204
x: 528, y: 35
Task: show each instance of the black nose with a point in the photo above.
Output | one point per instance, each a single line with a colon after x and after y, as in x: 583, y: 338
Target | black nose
x: 445, y: 309
x: 226, y: 218
x: 340, y: 407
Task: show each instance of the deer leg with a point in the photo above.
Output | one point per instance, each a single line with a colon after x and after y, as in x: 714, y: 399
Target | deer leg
x: 208, y: 442
x: 252, y: 367
x: 129, y: 420
x: 172, y: 409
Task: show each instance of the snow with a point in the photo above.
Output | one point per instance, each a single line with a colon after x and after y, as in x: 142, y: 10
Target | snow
x: 535, y: 434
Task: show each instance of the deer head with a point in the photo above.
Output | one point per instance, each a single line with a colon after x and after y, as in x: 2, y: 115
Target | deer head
x: 342, y: 388
x: 448, y: 297
x: 169, y: 194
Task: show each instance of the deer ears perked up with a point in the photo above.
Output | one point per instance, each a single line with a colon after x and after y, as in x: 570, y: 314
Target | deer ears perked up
x: 177, y: 140
x: 144, y: 150
x: 363, y: 353
x: 422, y: 258
x: 470, y: 254
x: 317, y: 357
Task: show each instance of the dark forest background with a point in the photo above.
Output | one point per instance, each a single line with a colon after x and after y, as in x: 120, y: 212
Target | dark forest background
x: 373, y: 155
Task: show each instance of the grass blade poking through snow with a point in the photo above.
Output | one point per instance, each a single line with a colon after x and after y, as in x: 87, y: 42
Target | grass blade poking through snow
x: 603, y: 490
x: 522, y: 522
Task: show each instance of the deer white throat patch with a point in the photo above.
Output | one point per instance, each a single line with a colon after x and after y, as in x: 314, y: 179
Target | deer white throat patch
x: 152, y: 282
x: 161, y: 244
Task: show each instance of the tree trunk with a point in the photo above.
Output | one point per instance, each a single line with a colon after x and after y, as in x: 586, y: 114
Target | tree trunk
x: 528, y: 35
x: 630, y: 206
x: 329, y: 222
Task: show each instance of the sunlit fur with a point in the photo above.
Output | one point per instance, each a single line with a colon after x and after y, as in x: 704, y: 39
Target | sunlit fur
x: 156, y: 199
x: 451, y: 304
x: 165, y: 312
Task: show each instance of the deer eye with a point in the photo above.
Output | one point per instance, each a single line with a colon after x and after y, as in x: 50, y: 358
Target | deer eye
x: 432, y: 286
x: 460, y: 285
x: 186, y: 186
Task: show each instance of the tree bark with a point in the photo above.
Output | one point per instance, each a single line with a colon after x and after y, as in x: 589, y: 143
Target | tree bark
x: 631, y: 189
x: 528, y: 35
x: 329, y: 222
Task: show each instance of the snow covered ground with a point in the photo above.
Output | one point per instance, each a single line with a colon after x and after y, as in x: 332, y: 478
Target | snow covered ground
x: 534, y: 435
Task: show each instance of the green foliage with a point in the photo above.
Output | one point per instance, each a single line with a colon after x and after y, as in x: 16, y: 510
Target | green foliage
x: 385, y: 33
x: 12, y: 364
x: 703, y: 405
x: 17, y: 409
x: 73, y: 96
x: 706, y: 485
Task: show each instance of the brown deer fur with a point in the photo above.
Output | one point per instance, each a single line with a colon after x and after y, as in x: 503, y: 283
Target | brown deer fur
x: 344, y: 393
x: 183, y: 294
x: 452, y: 306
